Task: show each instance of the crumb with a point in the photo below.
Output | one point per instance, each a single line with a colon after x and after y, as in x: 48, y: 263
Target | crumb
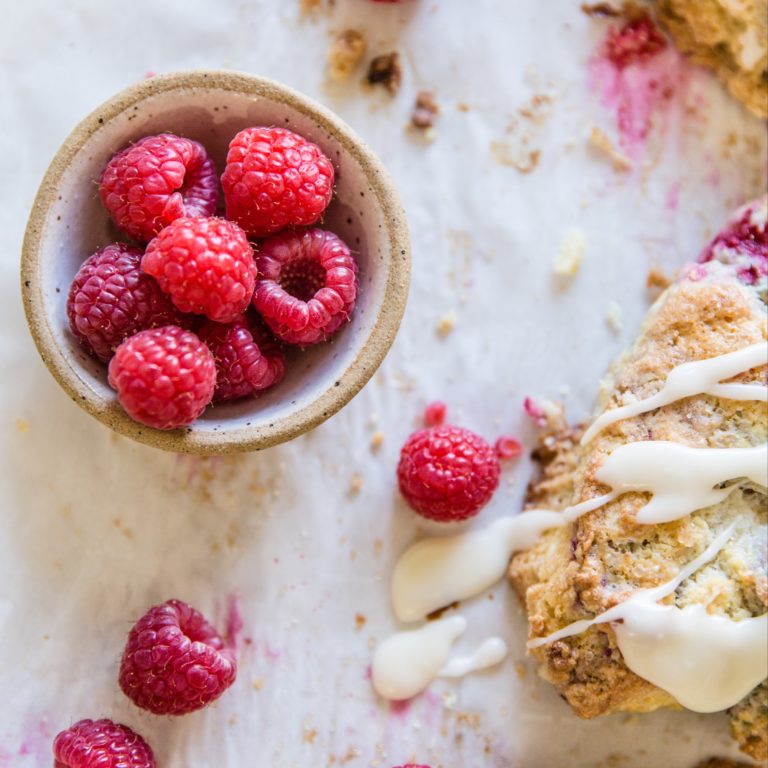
x: 378, y: 546
x: 360, y: 621
x: 22, y: 425
x: 569, y: 259
x: 656, y: 282
x: 425, y: 111
x: 386, y: 70
x: 602, y: 142
x: 345, y: 54
x: 258, y: 684
x: 307, y: 6
x: 65, y: 511
x: 523, y: 160
x: 310, y: 734
x: 462, y: 106
x: 376, y: 441
x: 445, y: 323
x: 604, y: 10
x: 521, y: 670
x: 355, y: 484
x: 614, y: 317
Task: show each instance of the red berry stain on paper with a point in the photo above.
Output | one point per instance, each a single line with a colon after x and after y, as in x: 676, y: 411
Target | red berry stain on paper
x: 636, y: 75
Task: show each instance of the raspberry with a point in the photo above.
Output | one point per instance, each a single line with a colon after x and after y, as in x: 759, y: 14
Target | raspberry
x: 206, y: 265
x: 434, y: 414
x: 157, y: 180
x: 274, y: 179
x: 637, y: 40
x: 111, y: 299
x: 164, y: 377
x: 248, y: 358
x: 447, y: 473
x: 307, y: 285
x: 175, y: 662
x: 101, y: 744
x: 508, y: 448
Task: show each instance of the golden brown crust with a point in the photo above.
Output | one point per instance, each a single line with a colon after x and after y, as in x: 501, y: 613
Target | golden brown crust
x: 722, y: 762
x: 727, y: 36
x: 579, y: 571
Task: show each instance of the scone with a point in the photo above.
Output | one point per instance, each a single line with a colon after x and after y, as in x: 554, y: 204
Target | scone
x: 580, y: 570
x: 727, y: 36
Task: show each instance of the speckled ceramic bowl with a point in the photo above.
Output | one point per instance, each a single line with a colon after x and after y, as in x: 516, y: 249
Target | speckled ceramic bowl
x: 68, y: 223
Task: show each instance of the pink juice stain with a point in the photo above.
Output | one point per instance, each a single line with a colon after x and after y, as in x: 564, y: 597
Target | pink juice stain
x: 637, y: 76
x: 234, y: 620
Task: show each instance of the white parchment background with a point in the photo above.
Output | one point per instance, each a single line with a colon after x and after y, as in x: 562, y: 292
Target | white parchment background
x: 94, y: 529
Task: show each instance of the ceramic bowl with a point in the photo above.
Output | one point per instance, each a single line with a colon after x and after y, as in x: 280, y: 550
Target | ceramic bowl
x: 68, y: 223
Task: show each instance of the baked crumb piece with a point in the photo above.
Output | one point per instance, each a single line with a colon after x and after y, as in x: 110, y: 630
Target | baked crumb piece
x: 360, y: 621
x: 345, y: 54
x: 521, y: 159
x: 657, y: 281
x: 614, y: 317
x: 462, y: 106
x: 600, y: 140
x: 425, y: 111
x: 307, y: 6
x: 377, y: 439
x: 355, y: 485
x: 568, y: 261
x: 722, y: 762
x: 604, y: 10
x: 445, y: 324
x: 386, y: 70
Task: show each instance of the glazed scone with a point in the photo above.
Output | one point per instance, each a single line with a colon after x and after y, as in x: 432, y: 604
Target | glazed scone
x: 580, y: 570
x: 727, y: 36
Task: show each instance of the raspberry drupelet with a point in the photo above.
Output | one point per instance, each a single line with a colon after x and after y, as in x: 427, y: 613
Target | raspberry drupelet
x: 248, y: 358
x: 447, y: 473
x: 101, y: 744
x: 156, y: 181
x: 164, y: 377
x: 275, y: 179
x: 175, y: 662
x: 205, y: 264
x: 112, y: 299
x: 307, y: 285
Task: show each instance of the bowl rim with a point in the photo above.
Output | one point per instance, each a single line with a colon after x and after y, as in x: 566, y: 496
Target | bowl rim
x: 283, y: 428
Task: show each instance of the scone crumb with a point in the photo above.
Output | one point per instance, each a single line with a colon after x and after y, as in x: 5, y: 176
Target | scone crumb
x: 345, y: 54
x: 360, y: 621
x: 22, y: 425
x: 657, y: 281
x: 386, y: 70
x: 377, y: 439
x: 462, y: 106
x: 355, y: 484
x: 614, y: 317
x: 425, y: 111
x: 520, y: 158
x: 603, y: 10
x: 445, y: 323
x: 600, y: 140
x: 257, y: 684
x: 571, y: 255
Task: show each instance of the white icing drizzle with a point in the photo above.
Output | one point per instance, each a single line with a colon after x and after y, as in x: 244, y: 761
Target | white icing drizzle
x: 707, y: 662
x: 701, y: 377
x: 490, y: 653
x: 681, y: 478
x: 406, y: 663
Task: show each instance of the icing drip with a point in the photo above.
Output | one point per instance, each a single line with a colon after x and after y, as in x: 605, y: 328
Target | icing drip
x: 701, y: 377
x: 707, y: 662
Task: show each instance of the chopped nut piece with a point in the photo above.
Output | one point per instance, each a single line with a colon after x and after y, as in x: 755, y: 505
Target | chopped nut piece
x: 568, y: 260
x: 425, y: 111
x: 386, y: 70
x: 601, y: 141
x: 345, y: 54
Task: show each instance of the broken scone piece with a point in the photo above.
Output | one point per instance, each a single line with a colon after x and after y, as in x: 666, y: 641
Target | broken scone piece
x: 659, y: 547
x: 728, y: 36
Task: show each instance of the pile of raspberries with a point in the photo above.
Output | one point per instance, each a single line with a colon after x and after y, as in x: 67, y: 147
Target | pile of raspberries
x: 199, y: 308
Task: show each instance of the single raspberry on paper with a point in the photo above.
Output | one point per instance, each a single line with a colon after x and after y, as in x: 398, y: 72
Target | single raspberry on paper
x: 175, y: 662
x: 101, y: 744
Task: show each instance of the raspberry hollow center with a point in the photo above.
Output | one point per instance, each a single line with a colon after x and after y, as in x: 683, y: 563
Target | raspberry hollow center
x: 302, y: 278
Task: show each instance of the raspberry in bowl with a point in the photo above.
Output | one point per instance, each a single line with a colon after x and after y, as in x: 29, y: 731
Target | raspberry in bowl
x: 183, y: 163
